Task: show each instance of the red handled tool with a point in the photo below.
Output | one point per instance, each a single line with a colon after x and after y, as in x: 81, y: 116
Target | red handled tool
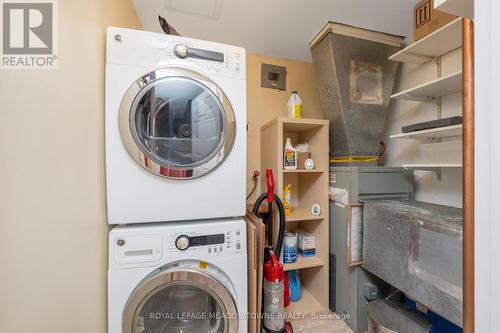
x: 270, y: 185
x: 274, y: 288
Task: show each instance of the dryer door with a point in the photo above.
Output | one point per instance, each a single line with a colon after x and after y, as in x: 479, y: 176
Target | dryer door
x: 177, y: 123
x: 181, y: 300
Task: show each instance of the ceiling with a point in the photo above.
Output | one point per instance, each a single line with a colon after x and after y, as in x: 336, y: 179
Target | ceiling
x: 277, y: 28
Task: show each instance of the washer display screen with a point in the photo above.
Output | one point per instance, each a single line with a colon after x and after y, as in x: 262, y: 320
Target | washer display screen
x: 206, y: 240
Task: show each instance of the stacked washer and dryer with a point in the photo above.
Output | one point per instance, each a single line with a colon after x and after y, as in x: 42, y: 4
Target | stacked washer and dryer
x: 175, y: 171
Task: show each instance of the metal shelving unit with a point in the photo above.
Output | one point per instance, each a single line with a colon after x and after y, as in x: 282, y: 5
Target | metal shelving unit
x: 431, y: 48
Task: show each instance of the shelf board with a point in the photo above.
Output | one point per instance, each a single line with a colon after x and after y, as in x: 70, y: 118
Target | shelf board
x: 463, y: 8
x: 443, y: 86
x: 301, y: 214
x: 306, y: 304
x: 436, y: 44
x: 433, y: 167
x: 303, y: 171
x: 430, y: 134
x: 429, y: 166
x: 303, y: 262
x: 297, y: 125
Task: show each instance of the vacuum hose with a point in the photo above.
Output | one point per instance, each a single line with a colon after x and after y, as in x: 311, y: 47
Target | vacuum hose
x: 281, y: 214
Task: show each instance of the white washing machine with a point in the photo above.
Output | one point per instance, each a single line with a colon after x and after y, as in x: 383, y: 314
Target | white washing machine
x: 186, y: 277
x: 175, y: 128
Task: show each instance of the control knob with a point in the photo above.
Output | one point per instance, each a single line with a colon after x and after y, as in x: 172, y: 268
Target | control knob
x: 182, y: 242
x: 181, y: 50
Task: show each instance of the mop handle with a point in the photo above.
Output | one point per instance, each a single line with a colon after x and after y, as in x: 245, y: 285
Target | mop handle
x: 270, y: 185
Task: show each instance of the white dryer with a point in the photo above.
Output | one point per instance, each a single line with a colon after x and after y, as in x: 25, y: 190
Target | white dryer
x: 186, y: 277
x: 175, y: 128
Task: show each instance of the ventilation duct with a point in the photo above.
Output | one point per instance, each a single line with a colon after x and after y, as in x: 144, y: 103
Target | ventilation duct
x: 355, y: 80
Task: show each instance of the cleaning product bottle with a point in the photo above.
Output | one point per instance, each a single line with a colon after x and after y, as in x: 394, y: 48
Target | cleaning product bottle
x: 294, y: 105
x: 290, y: 156
x: 287, y: 199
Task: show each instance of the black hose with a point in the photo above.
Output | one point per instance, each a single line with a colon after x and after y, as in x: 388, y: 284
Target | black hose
x: 281, y: 214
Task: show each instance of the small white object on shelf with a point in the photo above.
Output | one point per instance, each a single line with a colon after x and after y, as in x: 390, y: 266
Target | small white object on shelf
x: 446, y: 85
x: 431, y: 134
x: 463, y: 8
x: 434, y: 45
x: 316, y: 209
x: 309, y: 164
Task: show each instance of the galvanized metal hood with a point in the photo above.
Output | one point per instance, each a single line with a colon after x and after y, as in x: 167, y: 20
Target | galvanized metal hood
x: 355, y: 80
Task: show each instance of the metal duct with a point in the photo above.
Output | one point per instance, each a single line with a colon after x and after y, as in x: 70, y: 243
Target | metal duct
x: 355, y: 79
x: 389, y: 316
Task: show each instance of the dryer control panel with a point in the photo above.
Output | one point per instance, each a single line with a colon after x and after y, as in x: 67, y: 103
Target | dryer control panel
x: 150, y: 49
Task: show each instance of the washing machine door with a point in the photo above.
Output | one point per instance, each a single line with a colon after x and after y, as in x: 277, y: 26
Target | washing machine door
x: 183, y: 300
x: 177, y: 123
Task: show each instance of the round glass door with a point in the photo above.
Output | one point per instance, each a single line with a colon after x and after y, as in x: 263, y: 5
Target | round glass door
x: 180, y: 301
x: 177, y: 123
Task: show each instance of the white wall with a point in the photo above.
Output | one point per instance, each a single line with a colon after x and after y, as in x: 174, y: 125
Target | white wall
x: 447, y: 191
x: 487, y: 162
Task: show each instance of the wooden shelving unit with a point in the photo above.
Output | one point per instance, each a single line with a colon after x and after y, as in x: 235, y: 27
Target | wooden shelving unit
x: 302, y: 263
x: 307, y: 301
x: 463, y: 8
x: 304, y: 171
x: 308, y: 187
x: 432, y: 46
x: 301, y: 214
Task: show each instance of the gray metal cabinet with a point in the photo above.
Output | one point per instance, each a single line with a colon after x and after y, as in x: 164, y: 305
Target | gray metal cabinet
x: 362, y: 183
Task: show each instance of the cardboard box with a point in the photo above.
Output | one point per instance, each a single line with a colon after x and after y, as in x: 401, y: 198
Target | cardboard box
x: 301, y: 160
x: 427, y: 19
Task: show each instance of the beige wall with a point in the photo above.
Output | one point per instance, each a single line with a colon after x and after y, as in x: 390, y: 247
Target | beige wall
x: 53, y: 232
x: 266, y: 104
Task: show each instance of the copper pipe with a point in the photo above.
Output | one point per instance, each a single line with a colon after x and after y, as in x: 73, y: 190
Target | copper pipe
x: 468, y: 172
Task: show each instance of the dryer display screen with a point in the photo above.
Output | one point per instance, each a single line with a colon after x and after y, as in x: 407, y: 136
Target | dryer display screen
x: 206, y: 240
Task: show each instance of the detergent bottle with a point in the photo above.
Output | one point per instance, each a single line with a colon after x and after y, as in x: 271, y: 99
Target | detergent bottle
x: 290, y: 156
x: 287, y: 199
x: 294, y: 105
